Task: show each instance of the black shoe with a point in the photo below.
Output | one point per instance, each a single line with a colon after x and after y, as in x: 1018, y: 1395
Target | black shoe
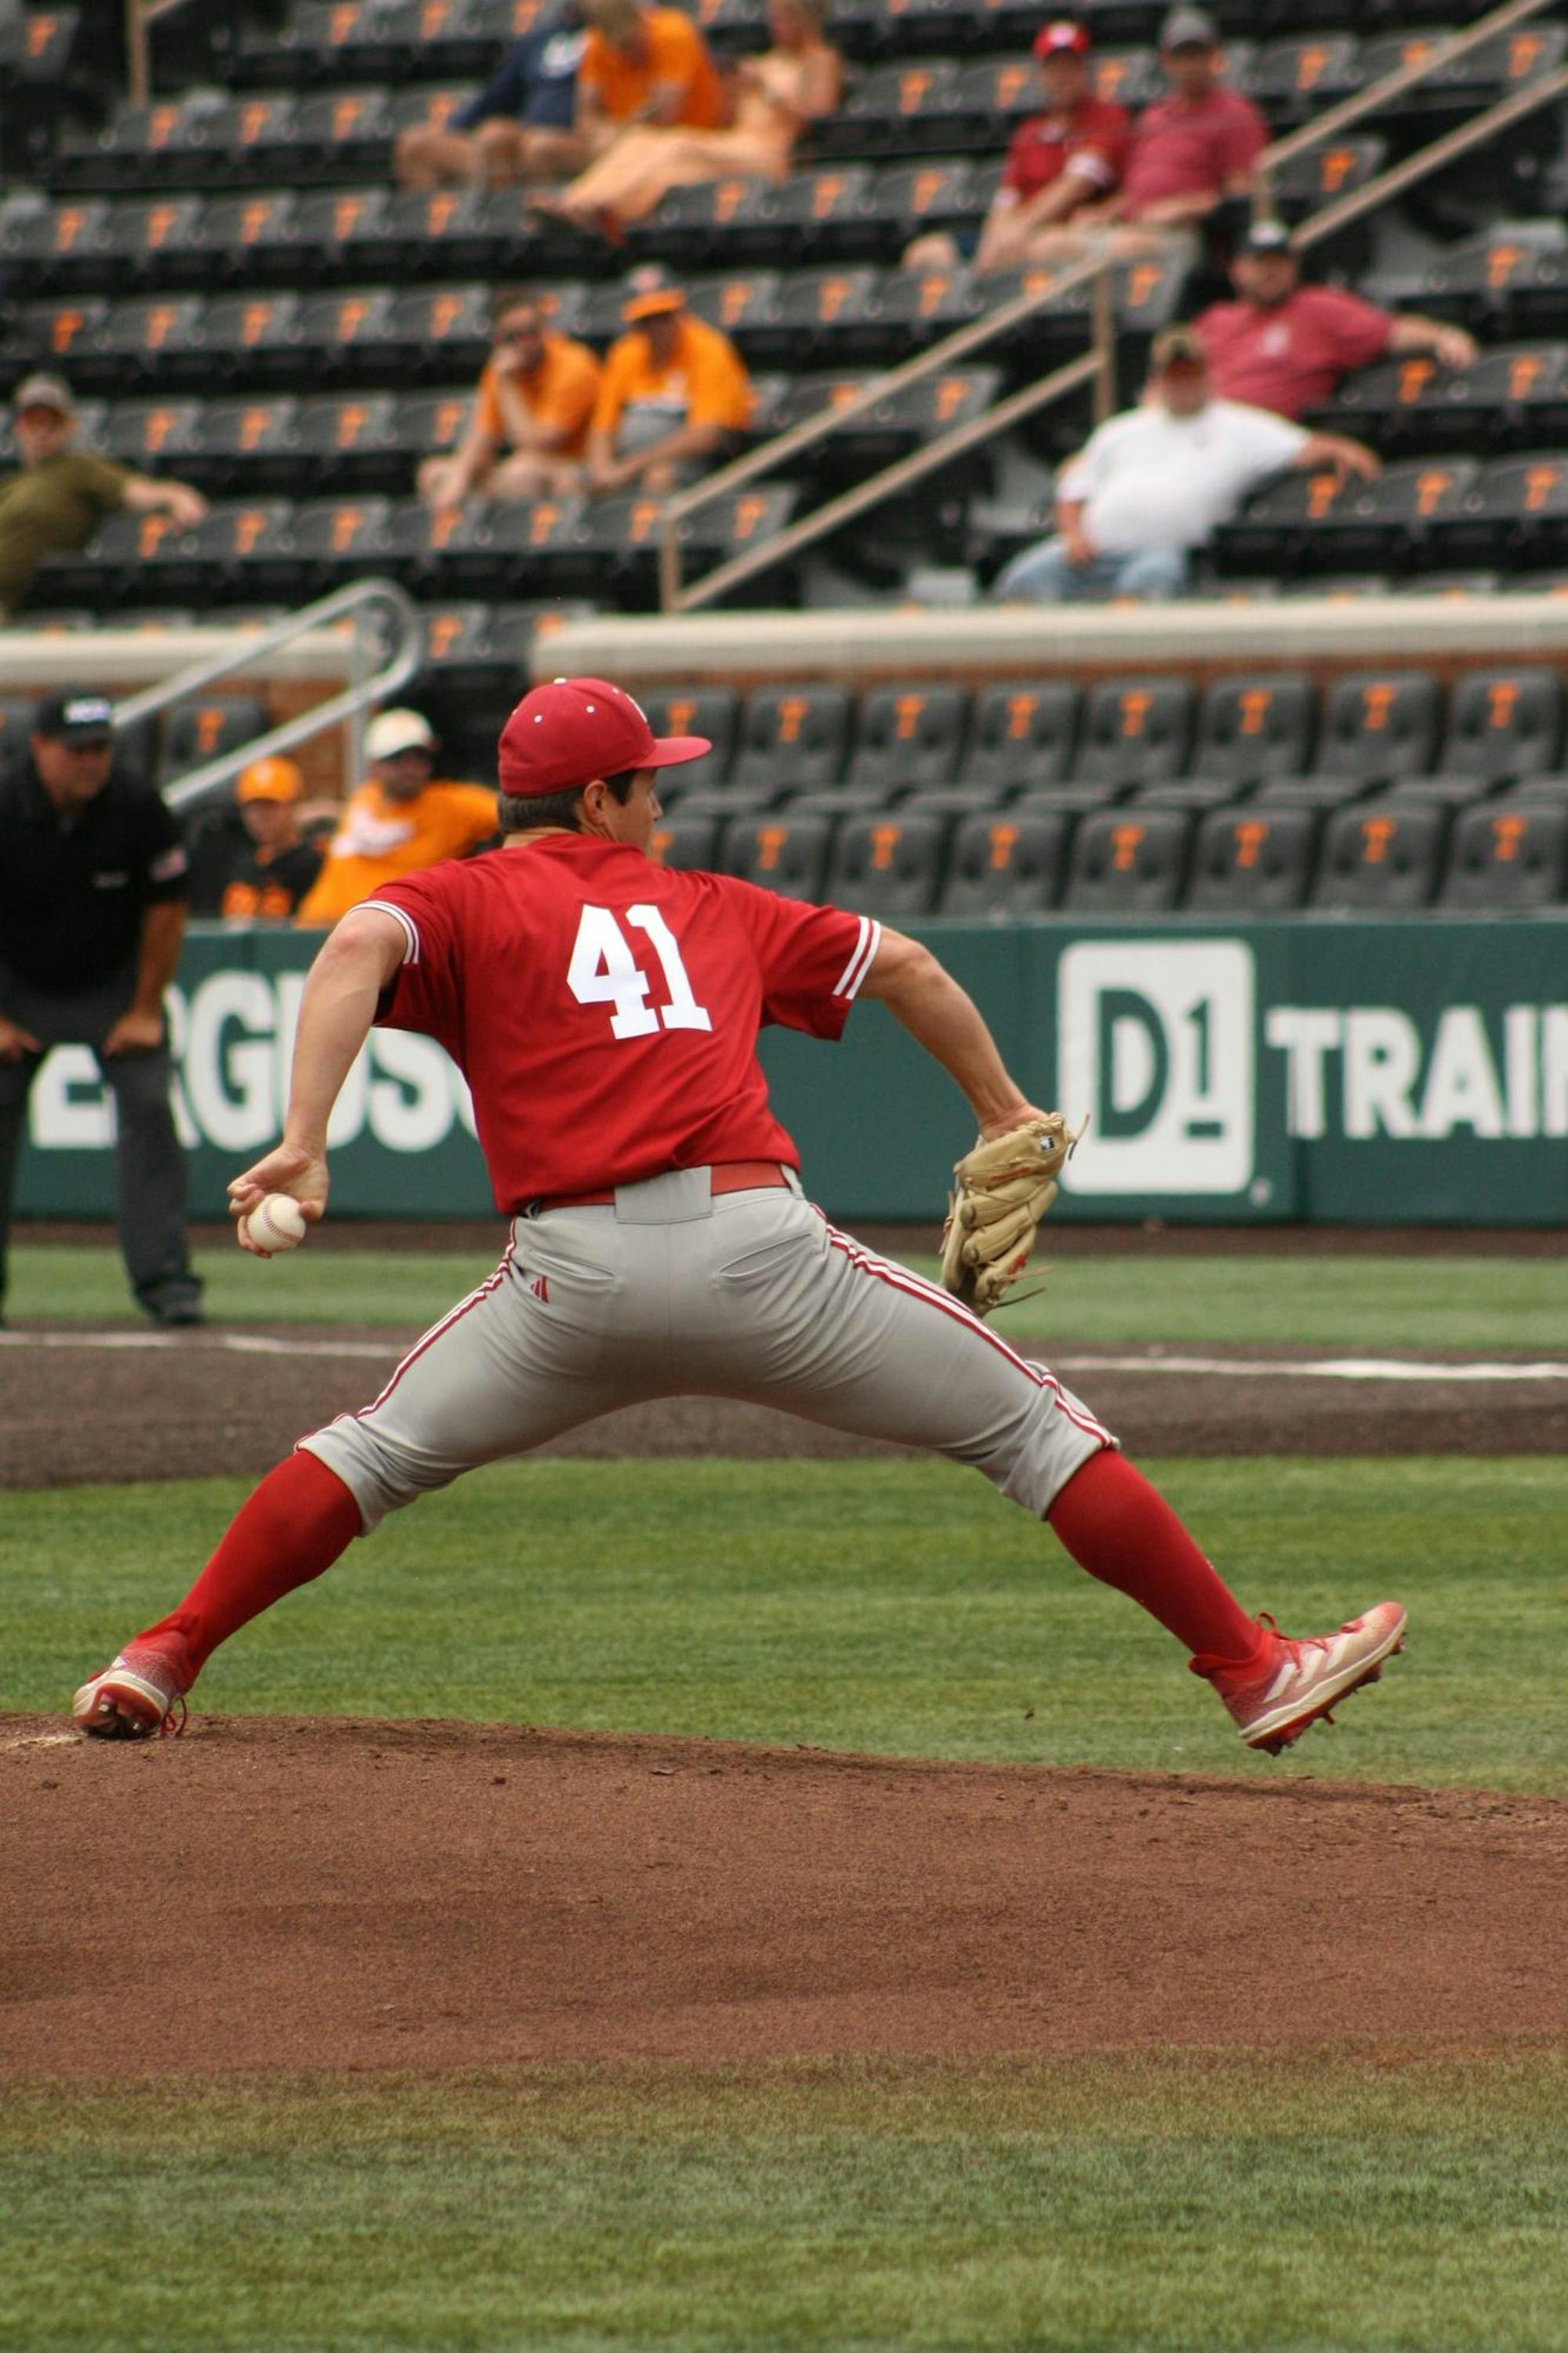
x: 177, y: 1315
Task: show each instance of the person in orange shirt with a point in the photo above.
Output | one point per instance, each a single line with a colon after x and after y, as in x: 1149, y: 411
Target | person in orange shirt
x: 648, y: 65
x: 536, y: 396
x: 673, y: 391
x: 399, y: 821
x: 794, y: 83
x: 277, y: 865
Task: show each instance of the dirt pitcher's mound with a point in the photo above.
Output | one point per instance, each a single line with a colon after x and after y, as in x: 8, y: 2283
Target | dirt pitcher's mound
x: 270, y: 1891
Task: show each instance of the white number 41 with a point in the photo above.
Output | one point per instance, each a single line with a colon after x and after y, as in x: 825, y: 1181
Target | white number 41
x: 603, y: 971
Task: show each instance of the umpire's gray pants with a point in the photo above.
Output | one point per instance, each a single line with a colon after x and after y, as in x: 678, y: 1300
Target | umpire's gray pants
x: 149, y: 1164
x: 674, y: 1292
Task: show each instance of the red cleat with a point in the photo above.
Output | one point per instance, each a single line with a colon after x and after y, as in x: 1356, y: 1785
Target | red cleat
x: 136, y: 1697
x: 1287, y: 1685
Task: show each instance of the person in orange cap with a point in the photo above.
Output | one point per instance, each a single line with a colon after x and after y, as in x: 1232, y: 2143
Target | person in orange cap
x: 673, y: 391
x: 276, y: 866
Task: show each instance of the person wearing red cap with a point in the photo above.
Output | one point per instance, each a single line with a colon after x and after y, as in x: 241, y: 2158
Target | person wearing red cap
x: 605, y: 1011
x: 1069, y: 156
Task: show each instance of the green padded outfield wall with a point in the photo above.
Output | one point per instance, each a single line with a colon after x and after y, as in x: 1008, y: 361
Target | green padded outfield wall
x: 1334, y: 1069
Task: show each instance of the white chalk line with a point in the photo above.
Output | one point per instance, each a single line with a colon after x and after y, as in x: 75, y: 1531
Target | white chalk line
x: 1325, y: 1368
x: 42, y: 1740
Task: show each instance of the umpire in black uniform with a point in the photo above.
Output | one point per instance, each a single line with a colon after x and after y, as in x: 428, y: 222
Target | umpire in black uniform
x: 92, y: 912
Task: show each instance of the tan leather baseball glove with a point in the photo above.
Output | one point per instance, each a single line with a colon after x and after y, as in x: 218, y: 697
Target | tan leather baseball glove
x: 1002, y: 1190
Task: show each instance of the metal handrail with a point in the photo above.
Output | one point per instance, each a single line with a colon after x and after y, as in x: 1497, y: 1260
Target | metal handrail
x: 927, y: 363
x: 1363, y: 102
x: 1473, y: 132
x: 351, y: 602
x: 942, y: 357
x: 139, y: 15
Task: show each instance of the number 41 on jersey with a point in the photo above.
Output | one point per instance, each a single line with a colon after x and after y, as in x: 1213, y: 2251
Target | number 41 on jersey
x: 603, y: 971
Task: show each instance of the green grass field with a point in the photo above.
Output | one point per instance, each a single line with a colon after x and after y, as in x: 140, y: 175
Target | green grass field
x: 885, y: 1606
x: 1216, y: 2206
x: 1340, y: 1302
x: 1170, y: 2203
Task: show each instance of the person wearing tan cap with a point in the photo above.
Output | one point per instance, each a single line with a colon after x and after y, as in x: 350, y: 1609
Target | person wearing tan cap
x: 277, y: 866
x: 673, y: 391
x: 58, y: 495
x: 401, y: 819
x: 1154, y: 484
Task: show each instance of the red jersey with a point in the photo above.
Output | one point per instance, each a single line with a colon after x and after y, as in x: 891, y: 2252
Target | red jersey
x: 1182, y: 149
x: 1093, y: 139
x: 1292, y: 356
x: 604, y: 1011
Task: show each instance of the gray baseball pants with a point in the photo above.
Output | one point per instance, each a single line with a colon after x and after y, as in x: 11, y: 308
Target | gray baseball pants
x: 676, y: 1291
x: 149, y: 1164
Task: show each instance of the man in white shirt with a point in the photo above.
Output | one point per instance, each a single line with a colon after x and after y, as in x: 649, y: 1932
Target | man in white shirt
x: 1153, y: 484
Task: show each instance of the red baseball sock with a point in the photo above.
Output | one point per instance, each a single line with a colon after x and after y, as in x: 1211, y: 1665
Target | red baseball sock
x: 294, y: 1526
x: 1123, y: 1532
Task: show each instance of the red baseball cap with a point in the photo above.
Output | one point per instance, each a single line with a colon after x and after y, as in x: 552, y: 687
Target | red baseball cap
x: 1062, y: 39
x: 562, y: 735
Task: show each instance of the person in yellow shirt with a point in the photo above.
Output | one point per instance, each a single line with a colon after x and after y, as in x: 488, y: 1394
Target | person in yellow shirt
x: 535, y: 399
x: 673, y: 391
x: 399, y: 821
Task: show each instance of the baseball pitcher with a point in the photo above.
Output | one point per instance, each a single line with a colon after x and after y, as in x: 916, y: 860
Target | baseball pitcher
x: 605, y: 1012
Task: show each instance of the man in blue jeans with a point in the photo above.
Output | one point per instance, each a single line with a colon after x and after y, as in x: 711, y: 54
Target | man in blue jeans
x: 522, y: 125
x: 1151, y: 485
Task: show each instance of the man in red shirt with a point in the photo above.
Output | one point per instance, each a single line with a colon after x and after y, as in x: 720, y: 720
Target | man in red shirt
x: 1069, y: 156
x: 1188, y: 153
x: 1058, y: 162
x: 605, y: 1011
x: 1285, y: 346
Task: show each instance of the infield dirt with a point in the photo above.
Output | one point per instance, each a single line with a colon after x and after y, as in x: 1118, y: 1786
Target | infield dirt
x: 277, y: 1893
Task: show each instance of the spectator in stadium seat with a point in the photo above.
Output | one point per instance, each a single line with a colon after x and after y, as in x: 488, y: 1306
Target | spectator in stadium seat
x: 796, y: 82
x: 1285, y: 346
x: 400, y: 819
x: 278, y: 865
x: 673, y: 392
x: 1058, y: 162
x: 1152, y: 484
x: 535, y: 399
x: 1189, y: 152
x: 523, y: 124
x: 58, y: 495
x: 93, y: 882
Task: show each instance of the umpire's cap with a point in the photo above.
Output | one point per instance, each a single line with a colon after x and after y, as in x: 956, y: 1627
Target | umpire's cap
x: 562, y: 735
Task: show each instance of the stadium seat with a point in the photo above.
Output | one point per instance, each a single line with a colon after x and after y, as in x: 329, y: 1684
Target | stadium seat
x: 710, y: 710
x: 908, y: 736
x: 1399, y: 520
x: 1001, y: 864
x: 686, y: 842
x: 1124, y: 864
x: 744, y: 304
x: 1503, y: 725
x: 156, y: 336
x: 1253, y: 860
x: 1135, y: 731
x: 888, y: 865
x: 1516, y: 513
x: 1381, y: 855
x: 153, y: 240
x: 785, y: 854
x: 147, y: 434
x: 254, y: 340
x: 821, y: 317
x: 245, y: 447
x: 1314, y: 792
x: 248, y: 237
x: 205, y: 727
x: 1250, y: 727
x: 820, y: 216
x: 353, y: 441
x: 906, y: 108
x: 716, y: 223
x: 793, y: 737
x: 1294, y: 79
x: 1505, y: 854
x: 1378, y: 725
x: 1021, y: 734
x: 909, y: 199
x: 336, y: 540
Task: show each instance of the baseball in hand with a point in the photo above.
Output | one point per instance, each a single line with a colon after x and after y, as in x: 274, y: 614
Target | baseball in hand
x: 276, y: 1223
